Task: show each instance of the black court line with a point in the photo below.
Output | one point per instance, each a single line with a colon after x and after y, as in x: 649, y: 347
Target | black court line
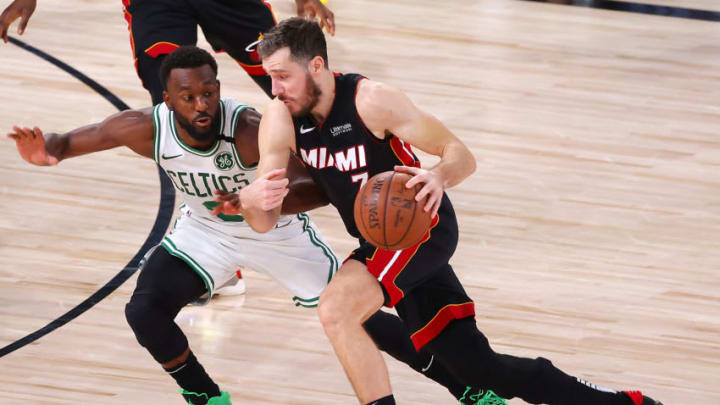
x: 162, y: 220
x: 632, y: 7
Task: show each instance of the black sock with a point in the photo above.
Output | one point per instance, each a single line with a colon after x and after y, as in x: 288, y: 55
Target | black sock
x: 388, y: 400
x: 191, y: 376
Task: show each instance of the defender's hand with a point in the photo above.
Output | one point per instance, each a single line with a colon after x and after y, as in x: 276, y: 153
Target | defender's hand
x: 229, y: 203
x: 433, y: 186
x: 31, y: 146
x: 266, y: 192
x: 314, y: 8
x: 18, y: 8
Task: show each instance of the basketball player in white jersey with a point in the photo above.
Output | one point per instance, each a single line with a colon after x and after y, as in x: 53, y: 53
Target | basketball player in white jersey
x: 208, y: 147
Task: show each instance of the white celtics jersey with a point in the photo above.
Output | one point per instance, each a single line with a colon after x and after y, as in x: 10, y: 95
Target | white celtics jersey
x: 197, y: 174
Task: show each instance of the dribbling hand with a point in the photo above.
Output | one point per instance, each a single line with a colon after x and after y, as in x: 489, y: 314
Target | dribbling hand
x: 31, y: 146
x: 432, y: 188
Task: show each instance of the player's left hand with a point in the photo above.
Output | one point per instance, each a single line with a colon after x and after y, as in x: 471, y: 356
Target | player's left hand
x: 314, y: 8
x: 229, y: 203
x: 433, y: 186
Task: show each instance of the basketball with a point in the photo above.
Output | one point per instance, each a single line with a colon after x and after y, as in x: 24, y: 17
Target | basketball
x: 386, y: 213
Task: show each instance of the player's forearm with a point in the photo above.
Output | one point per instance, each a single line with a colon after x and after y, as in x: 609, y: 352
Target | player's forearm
x: 456, y: 164
x: 259, y: 220
x: 77, y: 142
x: 57, y: 145
x: 304, y: 195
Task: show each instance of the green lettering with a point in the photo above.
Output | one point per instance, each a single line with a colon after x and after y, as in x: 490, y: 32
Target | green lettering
x: 241, y: 182
x: 207, y: 187
x: 185, y: 185
x: 192, y: 180
x: 222, y: 184
x: 172, y: 175
x: 214, y: 179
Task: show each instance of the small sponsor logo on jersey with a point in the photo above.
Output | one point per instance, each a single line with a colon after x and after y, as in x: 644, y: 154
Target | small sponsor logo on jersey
x: 171, y: 157
x: 304, y: 130
x: 224, y: 161
x: 340, y: 129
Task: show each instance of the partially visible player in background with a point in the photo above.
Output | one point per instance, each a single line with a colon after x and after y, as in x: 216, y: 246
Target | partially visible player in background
x: 158, y: 27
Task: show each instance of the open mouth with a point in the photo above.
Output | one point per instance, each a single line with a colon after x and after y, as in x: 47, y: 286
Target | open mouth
x: 203, y: 122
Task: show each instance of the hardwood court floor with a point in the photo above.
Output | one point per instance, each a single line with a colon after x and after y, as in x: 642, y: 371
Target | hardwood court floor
x: 590, y: 233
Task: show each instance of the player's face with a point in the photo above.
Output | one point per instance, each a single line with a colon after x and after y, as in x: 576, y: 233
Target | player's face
x: 194, y: 95
x: 292, y: 82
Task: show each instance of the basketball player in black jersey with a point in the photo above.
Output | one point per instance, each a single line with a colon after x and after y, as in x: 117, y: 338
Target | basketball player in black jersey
x: 157, y: 27
x: 347, y: 128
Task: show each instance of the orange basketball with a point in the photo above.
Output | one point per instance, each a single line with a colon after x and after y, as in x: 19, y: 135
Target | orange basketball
x: 386, y: 213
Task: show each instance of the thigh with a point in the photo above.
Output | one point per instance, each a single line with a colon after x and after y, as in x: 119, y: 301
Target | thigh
x: 303, y: 262
x: 353, y: 292
x: 167, y: 281
x: 158, y: 27
x: 235, y: 26
x: 206, y: 252
x: 428, y: 308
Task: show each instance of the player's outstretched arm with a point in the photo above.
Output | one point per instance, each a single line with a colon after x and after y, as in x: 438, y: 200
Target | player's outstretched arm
x: 22, y: 9
x: 387, y: 110
x: 133, y: 128
x: 262, y: 199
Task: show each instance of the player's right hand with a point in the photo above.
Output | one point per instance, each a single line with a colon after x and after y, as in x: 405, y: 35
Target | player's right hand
x: 266, y: 192
x: 18, y: 8
x: 31, y: 145
x: 316, y: 9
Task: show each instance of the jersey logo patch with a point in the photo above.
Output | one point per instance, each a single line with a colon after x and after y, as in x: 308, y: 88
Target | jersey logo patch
x: 171, y: 157
x: 304, y: 130
x: 341, y: 129
x: 224, y: 161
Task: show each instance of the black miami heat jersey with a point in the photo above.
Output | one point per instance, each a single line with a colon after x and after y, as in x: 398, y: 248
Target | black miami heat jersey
x: 341, y: 154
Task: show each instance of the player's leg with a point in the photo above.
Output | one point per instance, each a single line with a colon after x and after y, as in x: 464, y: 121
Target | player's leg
x: 348, y: 301
x: 466, y: 351
x: 157, y: 28
x: 235, y: 27
x: 165, y: 285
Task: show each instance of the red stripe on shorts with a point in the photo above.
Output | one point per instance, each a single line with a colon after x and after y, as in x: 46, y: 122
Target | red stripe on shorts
x: 253, y: 70
x: 161, y: 48
x: 386, y: 265
x: 440, y: 321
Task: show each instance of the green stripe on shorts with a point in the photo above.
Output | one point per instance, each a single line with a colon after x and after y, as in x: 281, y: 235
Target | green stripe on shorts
x: 317, y: 242
x: 204, y: 275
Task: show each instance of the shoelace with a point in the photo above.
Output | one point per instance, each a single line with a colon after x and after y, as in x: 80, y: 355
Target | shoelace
x: 487, y: 398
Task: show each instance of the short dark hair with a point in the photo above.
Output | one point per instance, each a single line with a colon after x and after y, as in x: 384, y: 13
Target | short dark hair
x: 304, y: 38
x: 186, y: 56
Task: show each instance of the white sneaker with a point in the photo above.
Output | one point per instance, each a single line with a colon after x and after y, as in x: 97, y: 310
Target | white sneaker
x: 234, y: 286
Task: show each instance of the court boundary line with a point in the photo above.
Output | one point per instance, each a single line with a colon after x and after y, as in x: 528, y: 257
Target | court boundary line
x: 162, y: 219
x: 643, y: 8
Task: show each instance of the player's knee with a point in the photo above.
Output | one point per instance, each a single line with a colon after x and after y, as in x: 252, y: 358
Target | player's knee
x: 138, y: 317
x: 331, y: 311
